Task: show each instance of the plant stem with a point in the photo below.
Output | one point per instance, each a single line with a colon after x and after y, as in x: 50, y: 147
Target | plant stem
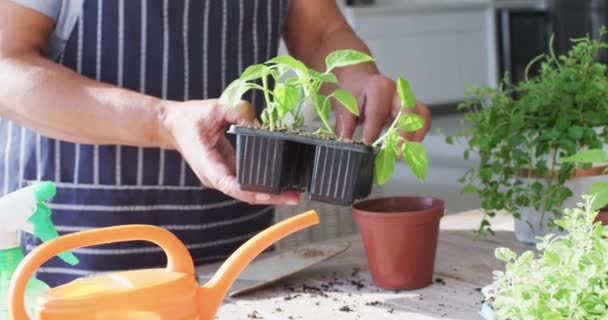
x: 259, y: 87
x: 310, y: 87
x: 549, y: 187
x: 393, y: 125
x: 325, y: 123
x: 268, y: 103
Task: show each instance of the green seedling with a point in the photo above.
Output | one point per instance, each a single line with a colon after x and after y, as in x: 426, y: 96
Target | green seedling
x: 414, y: 153
x: 287, y: 82
x: 295, y: 83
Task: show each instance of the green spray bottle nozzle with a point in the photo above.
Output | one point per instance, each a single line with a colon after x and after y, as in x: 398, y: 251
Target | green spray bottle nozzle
x: 43, y: 191
x: 45, y: 231
x: 25, y: 210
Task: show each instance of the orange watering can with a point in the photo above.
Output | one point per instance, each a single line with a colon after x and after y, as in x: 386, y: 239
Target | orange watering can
x: 154, y: 294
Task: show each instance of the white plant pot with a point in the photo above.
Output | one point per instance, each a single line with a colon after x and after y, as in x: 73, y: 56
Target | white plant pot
x: 529, y: 226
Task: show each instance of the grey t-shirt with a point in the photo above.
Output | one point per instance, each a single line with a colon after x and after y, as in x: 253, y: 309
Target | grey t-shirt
x: 50, y: 8
x: 65, y: 14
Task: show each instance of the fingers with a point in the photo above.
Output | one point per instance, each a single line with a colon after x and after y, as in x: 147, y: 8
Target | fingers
x: 218, y: 175
x: 241, y: 114
x: 227, y: 153
x: 425, y: 112
x: 422, y: 110
x: 215, y: 167
x: 379, y: 101
x: 230, y: 186
x: 346, y: 123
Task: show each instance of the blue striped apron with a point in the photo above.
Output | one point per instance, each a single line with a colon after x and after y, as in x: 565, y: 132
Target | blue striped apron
x: 178, y: 50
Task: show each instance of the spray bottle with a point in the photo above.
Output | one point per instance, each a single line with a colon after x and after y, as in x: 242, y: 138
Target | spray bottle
x: 25, y: 210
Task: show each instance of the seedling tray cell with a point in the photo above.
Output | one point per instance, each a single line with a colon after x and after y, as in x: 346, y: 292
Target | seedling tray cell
x: 333, y: 172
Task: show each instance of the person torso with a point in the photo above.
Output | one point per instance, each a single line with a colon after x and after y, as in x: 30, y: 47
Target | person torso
x: 178, y: 50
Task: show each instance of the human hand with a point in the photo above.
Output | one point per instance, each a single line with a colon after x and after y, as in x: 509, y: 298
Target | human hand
x: 379, y: 105
x: 196, y: 129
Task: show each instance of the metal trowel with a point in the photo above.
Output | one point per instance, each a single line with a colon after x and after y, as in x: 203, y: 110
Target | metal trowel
x: 272, y: 267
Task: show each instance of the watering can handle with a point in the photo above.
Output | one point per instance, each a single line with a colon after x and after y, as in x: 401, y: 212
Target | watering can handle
x: 178, y: 257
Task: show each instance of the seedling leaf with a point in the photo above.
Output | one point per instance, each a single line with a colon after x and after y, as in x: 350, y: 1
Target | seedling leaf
x: 286, y: 98
x: 411, y: 122
x: 343, y: 58
x: 291, y: 62
x: 416, y: 157
x: 347, y: 99
x: 408, y: 100
x: 234, y: 92
x: 384, y: 165
x: 323, y: 105
x: 254, y: 72
x: 325, y: 77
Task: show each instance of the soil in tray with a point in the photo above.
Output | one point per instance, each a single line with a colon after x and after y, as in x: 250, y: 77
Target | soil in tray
x: 307, y: 134
x: 331, y: 171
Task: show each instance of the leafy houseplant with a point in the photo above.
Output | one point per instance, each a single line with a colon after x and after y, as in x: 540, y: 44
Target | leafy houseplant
x: 566, y: 280
x: 521, y: 131
x: 274, y: 156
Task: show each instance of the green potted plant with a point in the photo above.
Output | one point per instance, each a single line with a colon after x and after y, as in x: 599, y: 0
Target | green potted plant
x: 566, y: 279
x: 521, y: 131
x: 275, y: 156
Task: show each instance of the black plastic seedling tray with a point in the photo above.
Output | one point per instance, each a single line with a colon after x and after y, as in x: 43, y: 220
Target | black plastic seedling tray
x: 330, y: 171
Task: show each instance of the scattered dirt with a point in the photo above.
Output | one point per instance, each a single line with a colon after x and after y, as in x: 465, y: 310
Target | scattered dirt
x: 291, y: 297
x: 254, y: 315
x: 278, y: 310
x: 346, y: 309
x: 305, y: 289
x: 357, y: 284
x: 310, y: 253
x: 328, y: 286
x: 391, y: 311
x: 440, y: 281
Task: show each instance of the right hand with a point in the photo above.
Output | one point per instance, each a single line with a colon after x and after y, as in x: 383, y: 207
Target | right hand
x: 196, y: 129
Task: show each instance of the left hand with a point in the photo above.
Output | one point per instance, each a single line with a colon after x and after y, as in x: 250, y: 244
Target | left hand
x: 379, y: 104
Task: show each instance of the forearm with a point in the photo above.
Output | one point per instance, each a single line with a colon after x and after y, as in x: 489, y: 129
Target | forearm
x: 57, y: 102
x: 315, y: 28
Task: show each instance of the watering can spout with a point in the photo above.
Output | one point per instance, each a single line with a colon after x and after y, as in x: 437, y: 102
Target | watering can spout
x: 214, y: 291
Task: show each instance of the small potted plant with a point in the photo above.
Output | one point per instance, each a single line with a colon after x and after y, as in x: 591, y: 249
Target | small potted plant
x: 400, y: 237
x: 273, y: 156
x: 521, y: 131
x: 566, y: 279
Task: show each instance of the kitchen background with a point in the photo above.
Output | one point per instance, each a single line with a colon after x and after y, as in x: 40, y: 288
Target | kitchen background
x: 442, y: 46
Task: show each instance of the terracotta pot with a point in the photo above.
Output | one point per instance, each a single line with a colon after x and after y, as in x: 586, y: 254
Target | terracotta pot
x: 574, y: 174
x: 400, y: 239
x: 602, y: 216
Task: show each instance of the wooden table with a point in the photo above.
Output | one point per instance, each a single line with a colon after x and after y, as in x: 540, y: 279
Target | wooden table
x: 463, y: 266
